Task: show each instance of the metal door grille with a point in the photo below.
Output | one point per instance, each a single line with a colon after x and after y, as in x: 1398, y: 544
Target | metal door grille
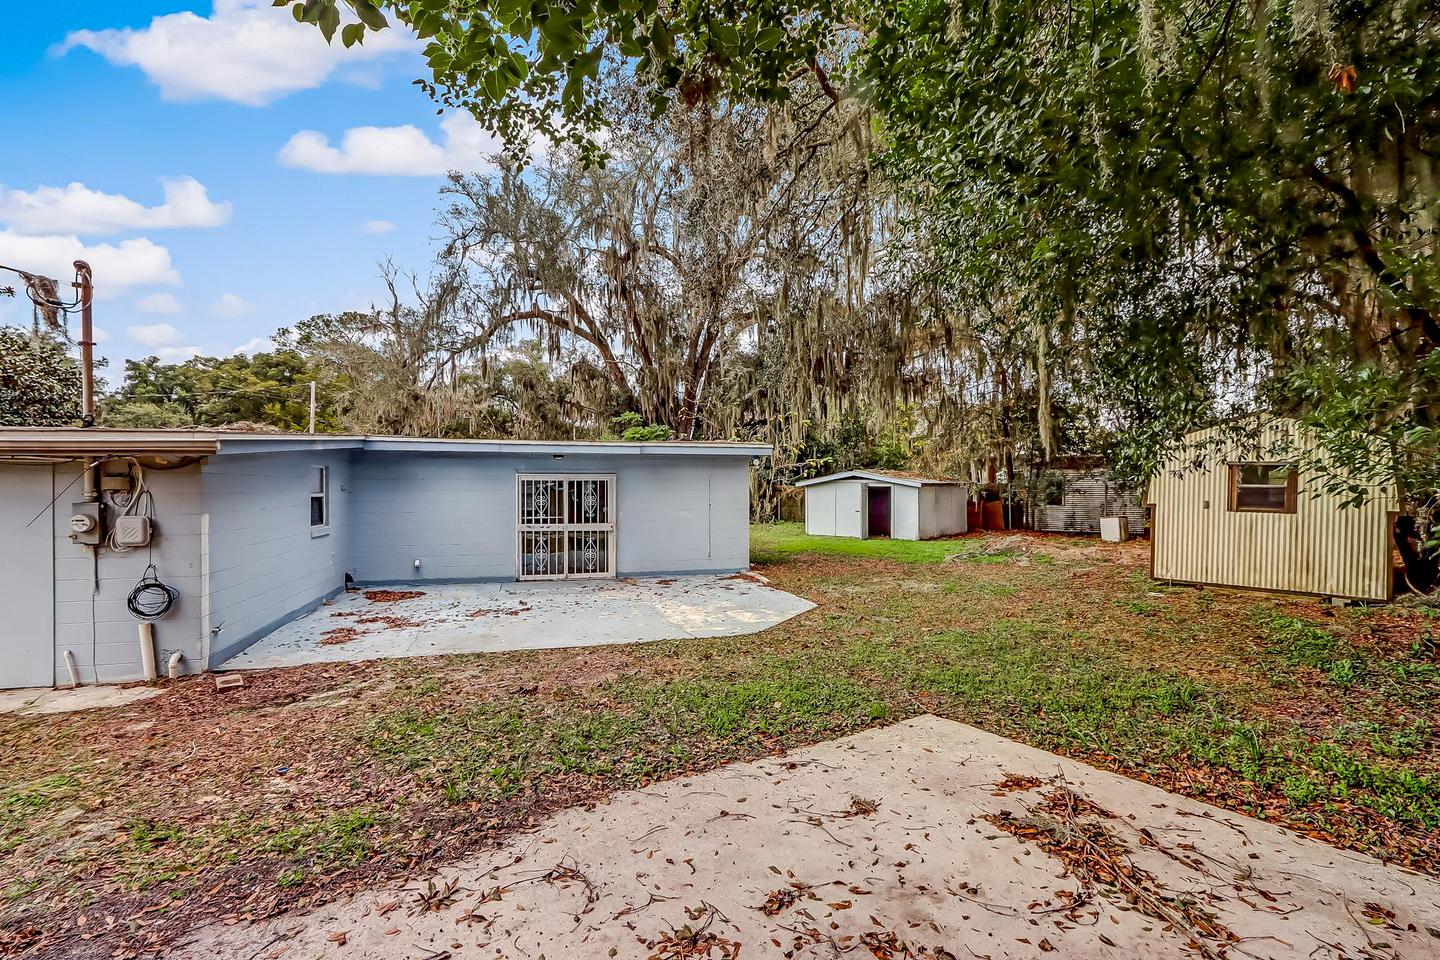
x: 565, y: 527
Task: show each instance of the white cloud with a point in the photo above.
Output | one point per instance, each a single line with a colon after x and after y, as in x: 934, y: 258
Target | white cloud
x: 101, y: 334
x: 255, y: 345
x: 395, y: 151
x: 375, y: 228
x: 246, y: 51
x: 178, y: 354
x: 231, y: 305
x: 162, y: 303
x: 155, y: 334
x: 118, y: 266
x: 78, y: 209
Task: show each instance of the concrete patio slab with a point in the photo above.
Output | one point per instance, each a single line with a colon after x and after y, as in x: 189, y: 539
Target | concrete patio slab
x: 492, y: 617
x: 888, y: 844
x: 36, y: 701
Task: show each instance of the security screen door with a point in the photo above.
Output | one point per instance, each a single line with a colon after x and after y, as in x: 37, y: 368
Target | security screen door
x: 565, y: 527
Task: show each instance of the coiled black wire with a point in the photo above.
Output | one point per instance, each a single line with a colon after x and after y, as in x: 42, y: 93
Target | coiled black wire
x: 151, y: 599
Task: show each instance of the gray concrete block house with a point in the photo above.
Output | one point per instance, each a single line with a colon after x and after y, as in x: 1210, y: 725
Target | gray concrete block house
x: 251, y: 530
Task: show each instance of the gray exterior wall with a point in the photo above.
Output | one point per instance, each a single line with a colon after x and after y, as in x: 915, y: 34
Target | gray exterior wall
x: 27, y: 568
x: 55, y: 606
x: 942, y: 510
x: 266, y: 564
x: 456, y: 514
x: 233, y: 536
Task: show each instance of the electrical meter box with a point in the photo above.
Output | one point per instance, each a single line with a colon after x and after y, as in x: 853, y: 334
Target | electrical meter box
x: 132, y: 531
x: 85, y: 523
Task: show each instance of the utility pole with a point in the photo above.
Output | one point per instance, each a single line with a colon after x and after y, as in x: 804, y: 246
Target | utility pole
x: 312, y: 406
x: 85, y: 292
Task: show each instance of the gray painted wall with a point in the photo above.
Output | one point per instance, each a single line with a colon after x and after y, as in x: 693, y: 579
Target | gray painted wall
x: 112, y: 636
x: 456, y: 515
x: 55, y: 606
x: 266, y: 563
x: 234, y: 537
x: 942, y: 510
x: 27, y: 555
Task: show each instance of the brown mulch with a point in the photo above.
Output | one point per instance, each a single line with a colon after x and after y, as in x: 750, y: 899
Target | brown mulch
x: 391, y: 596
x: 339, y: 635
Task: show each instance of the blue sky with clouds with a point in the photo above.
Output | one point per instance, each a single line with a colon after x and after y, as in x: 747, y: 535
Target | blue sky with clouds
x: 224, y: 171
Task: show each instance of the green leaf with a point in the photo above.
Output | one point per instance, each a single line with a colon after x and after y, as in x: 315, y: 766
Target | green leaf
x: 370, y: 15
x: 769, y: 38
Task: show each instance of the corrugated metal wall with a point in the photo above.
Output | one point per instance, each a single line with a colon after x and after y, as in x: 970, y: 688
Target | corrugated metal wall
x: 1088, y: 496
x: 1322, y: 548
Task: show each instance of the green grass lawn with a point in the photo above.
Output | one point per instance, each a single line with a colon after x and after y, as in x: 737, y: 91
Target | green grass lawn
x: 314, y: 779
x: 774, y: 542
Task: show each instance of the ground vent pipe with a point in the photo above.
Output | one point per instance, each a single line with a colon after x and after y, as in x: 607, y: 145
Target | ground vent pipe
x: 147, y: 651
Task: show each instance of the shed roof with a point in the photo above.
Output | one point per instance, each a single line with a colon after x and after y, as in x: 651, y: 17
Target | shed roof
x: 879, y: 476
x: 104, y: 441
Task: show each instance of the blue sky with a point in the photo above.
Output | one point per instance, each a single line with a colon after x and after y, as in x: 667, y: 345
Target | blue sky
x: 223, y: 170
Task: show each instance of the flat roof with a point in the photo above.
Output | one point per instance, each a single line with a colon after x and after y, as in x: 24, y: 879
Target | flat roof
x: 900, y: 479
x: 107, y: 441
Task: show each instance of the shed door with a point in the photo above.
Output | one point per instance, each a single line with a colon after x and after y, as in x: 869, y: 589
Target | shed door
x: 565, y: 528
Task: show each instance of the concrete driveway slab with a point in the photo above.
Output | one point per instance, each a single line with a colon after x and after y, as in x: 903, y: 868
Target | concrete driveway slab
x: 491, y: 617
x: 928, y: 838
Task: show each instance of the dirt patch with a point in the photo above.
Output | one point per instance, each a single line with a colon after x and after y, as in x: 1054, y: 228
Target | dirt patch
x: 391, y: 596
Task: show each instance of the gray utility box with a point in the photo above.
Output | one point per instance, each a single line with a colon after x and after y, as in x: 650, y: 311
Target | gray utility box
x: 87, y: 523
x: 132, y: 531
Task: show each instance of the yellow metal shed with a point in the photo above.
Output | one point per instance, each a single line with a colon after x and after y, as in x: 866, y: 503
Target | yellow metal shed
x: 1236, y: 513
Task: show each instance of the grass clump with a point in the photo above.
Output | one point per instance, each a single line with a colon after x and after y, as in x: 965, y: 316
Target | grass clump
x: 1301, y: 643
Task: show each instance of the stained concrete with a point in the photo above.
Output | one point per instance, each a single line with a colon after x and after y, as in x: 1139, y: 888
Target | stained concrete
x: 492, y: 617
x: 923, y: 868
x: 34, y: 701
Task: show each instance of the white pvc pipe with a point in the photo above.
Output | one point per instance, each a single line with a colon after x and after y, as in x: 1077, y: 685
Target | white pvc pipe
x: 73, y: 668
x: 173, y: 668
x: 147, y: 650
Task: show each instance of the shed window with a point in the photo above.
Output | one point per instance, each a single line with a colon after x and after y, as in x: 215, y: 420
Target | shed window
x: 319, y: 497
x: 1262, y: 487
x: 1054, y: 491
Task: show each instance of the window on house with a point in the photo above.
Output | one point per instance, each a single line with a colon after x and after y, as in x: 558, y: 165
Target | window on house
x: 319, y: 497
x: 1262, y: 487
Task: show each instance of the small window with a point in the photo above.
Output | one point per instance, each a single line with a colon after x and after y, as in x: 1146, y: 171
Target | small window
x: 1262, y: 487
x: 1054, y: 491
x: 319, y: 497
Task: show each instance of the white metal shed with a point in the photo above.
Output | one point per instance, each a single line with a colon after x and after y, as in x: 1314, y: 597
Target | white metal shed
x: 865, y: 504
